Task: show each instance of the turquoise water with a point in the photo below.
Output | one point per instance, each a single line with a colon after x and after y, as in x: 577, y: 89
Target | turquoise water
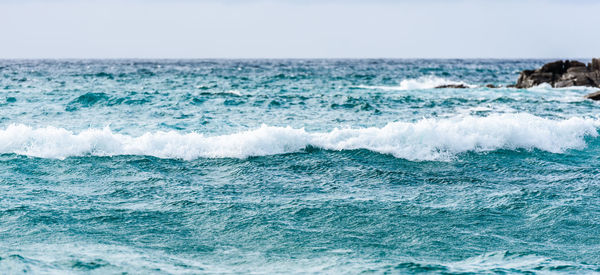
x: 294, y: 166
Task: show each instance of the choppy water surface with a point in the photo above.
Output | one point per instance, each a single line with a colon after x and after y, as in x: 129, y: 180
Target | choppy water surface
x: 294, y: 166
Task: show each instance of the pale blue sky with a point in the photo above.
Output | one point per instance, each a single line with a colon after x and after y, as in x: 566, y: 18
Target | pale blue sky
x: 299, y: 29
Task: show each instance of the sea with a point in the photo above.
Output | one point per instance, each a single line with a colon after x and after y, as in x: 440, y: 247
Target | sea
x: 295, y: 166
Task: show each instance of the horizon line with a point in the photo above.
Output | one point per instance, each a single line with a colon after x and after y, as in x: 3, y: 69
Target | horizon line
x: 290, y: 58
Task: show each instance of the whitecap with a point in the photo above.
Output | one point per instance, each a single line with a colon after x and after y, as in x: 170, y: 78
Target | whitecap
x: 421, y: 83
x: 426, y: 139
x: 233, y: 92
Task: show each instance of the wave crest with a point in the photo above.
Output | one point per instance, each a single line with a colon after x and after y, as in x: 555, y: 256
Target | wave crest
x: 421, y: 83
x: 427, y: 139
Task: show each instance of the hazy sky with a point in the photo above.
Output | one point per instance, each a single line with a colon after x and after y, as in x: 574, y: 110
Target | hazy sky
x: 299, y: 29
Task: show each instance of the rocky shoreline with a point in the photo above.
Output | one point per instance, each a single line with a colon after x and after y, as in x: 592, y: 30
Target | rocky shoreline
x: 559, y: 74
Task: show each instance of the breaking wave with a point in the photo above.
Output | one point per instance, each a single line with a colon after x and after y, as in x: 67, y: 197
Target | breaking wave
x: 546, y: 86
x: 421, y: 83
x: 426, y: 139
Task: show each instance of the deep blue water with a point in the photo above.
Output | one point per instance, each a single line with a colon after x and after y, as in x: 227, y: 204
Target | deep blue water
x: 294, y: 166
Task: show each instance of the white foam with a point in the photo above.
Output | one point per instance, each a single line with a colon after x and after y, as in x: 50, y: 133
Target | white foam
x: 233, y: 92
x: 421, y: 83
x: 503, y: 260
x: 547, y: 86
x: 427, y: 139
x: 566, y: 94
x: 498, y: 260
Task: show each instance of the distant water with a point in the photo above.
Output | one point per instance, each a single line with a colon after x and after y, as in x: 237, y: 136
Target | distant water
x: 294, y: 166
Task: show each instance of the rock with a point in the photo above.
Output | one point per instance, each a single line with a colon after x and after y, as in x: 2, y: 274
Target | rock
x: 595, y: 64
x: 491, y: 86
x: 593, y: 96
x: 454, y: 86
x: 562, y: 74
x: 573, y: 64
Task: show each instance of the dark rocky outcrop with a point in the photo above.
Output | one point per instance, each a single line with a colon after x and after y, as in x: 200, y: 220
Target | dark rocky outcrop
x: 454, y: 86
x: 593, y: 96
x: 562, y: 74
x: 463, y: 86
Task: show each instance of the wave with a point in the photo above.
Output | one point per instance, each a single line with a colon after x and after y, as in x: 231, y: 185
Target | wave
x: 430, y: 82
x: 421, y: 83
x: 427, y: 139
x: 92, y: 99
x: 226, y: 92
x: 546, y: 86
x: 501, y: 262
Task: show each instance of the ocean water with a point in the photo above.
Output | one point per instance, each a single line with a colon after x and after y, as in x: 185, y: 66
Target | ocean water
x: 294, y: 166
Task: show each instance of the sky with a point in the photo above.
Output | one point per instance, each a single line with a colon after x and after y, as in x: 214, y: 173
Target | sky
x: 299, y: 29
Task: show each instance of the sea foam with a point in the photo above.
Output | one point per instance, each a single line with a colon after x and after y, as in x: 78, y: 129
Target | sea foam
x: 426, y: 139
x: 421, y: 83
